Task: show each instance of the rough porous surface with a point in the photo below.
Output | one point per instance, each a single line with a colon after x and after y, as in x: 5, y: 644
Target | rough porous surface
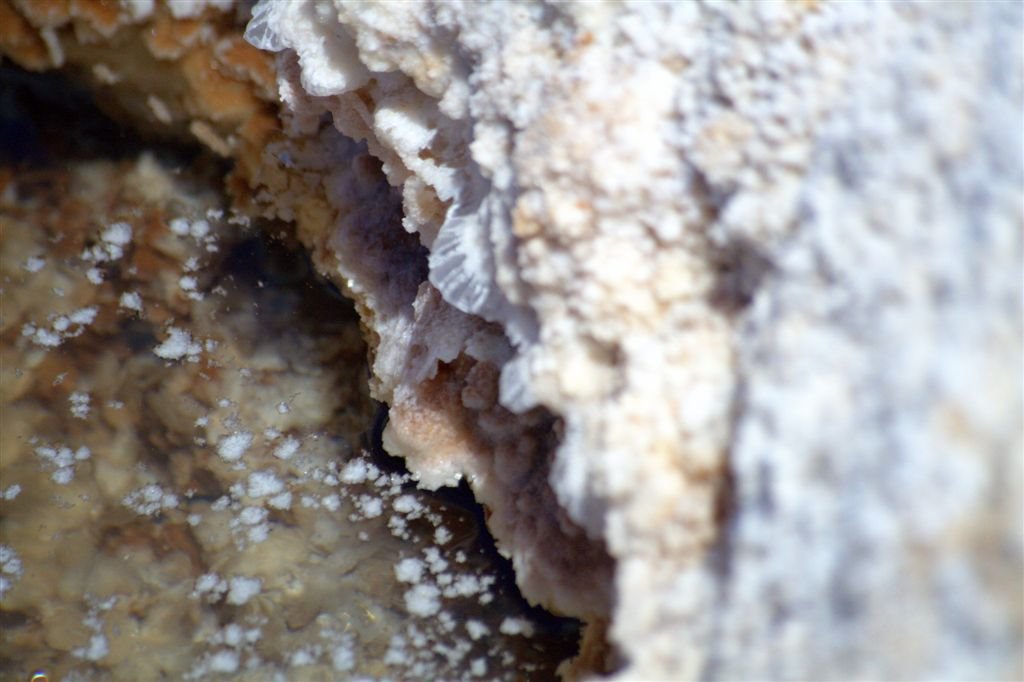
x: 761, y: 261
x: 716, y: 307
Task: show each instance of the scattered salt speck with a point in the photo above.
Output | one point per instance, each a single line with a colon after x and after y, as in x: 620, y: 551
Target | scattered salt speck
x: 243, y: 589
x: 252, y: 515
x: 10, y: 492
x: 10, y: 568
x: 232, y: 447
x: 442, y: 535
x: 304, y: 656
x: 233, y: 634
x: 202, y: 421
x: 281, y: 501
x: 84, y: 316
x: 97, y: 649
x: 63, y: 458
x: 187, y: 283
x: 356, y: 471
x: 516, y: 626
x: 131, y: 300
x: 179, y: 344
x: 422, y: 600
x: 409, y: 570
x: 63, y: 476
x: 331, y: 503
x: 286, y: 448
x: 478, y: 667
x: 264, y: 484
x: 179, y: 226
x: 34, y: 264
x: 94, y: 275
x: 343, y: 658
x: 118, y: 233
x: 112, y: 243
x: 79, y: 404
x: 407, y: 504
x: 476, y: 629
x: 200, y: 229
x: 282, y: 408
x: 224, y: 661
x: 150, y: 500
x: 371, y: 507
x: 211, y: 585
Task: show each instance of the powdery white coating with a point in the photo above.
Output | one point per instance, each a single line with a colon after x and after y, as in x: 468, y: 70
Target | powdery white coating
x: 763, y: 261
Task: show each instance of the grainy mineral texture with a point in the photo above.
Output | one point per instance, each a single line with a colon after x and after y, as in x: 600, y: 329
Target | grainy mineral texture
x: 762, y: 262
x: 715, y: 306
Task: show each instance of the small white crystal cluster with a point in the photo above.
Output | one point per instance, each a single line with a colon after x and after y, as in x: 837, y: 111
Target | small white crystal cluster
x: 763, y: 262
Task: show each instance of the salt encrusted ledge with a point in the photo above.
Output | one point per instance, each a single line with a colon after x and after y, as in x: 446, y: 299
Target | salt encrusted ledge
x: 595, y: 194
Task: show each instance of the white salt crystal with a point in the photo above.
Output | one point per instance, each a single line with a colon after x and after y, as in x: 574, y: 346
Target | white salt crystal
x: 355, y: 471
x: 409, y: 570
x: 179, y: 226
x: 79, y: 404
x: 131, y: 301
x: 232, y: 447
x: 442, y: 535
x: 243, y: 589
x: 282, y: 501
x: 288, y: 447
x: 476, y: 629
x: 84, y: 316
x: 264, y: 484
x: 224, y: 661
x: 178, y: 345
x: 200, y: 229
x: 516, y: 626
x: 97, y: 649
x: 118, y: 233
x: 422, y: 600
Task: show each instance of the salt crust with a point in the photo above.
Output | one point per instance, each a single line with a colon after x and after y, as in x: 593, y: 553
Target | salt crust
x: 612, y: 185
